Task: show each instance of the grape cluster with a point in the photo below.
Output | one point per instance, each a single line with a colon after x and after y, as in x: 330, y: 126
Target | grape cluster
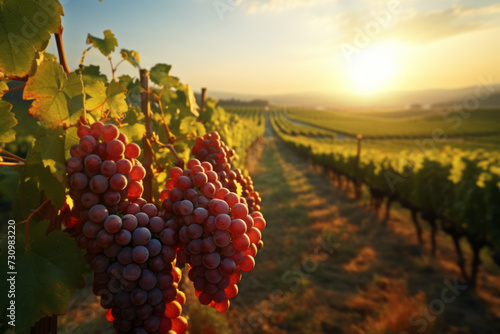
x: 133, y: 271
x: 103, y: 169
x: 210, y: 148
x: 134, y: 275
x: 213, y: 230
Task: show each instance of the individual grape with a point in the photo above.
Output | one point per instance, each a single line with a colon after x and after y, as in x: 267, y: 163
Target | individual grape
x: 213, y: 275
x: 156, y: 224
x: 183, y: 208
x: 147, y: 280
x: 77, y: 152
x: 237, y: 227
x: 140, y: 254
x: 259, y: 223
x: 118, y: 182
x: 113, y: 224
x: 129, y: 222
x: 122, y: 300
x: 231, y: 199
x: 142, y: 219
x: 99, y: 264
x: 151, y: 324
x: 154, y: 247
x: 200, y: 179
x: 211, y: 260
x: 149, y: 209
x: 98, y: 184
x: 135, y: 189
x: 138, y: 296
x: 89, y: 199
x: 115, y: 148
x: 123, y: 166
x: 239, y: 211
x: 218, y: 207
x: 221, y: 238
x: 109, y: 132
x: 88, y: 144
x: 132, y: 151
x: 248, y: 263
x: 123, y: 138
x: 83, y: 130
x: 223, y: 222
x: 241, y: 242
x: 108, y: 168
x: 169, y: 237
x: 254, y: 235
x: 194, y: 231
x: 92, y: 162
x: 78, y: 181
x: 227, y: 267
x: 133, y: 208
x: 74, y: 165
x: 173, y: 310
x: 98, y: 213
x: 104, y: 239
x: 138, y: 173
x: 95, y: 129
x: 179, y: 325
x: 125, y: 256
x: 132, y: 272
x: 111, y: 198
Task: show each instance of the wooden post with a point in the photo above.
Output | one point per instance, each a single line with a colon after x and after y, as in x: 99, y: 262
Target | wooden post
x: 148, y: 153
x: 203, y: 99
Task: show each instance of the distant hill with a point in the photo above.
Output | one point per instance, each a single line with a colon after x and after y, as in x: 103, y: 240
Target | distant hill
x: 395, y: 99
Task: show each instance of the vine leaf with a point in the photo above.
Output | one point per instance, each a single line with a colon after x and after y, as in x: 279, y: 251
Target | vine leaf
x: 45, y: 164
x: 106, y: 45
x: 7, y: 134
x: 111, y: 98
x: 186, y: 101
x: 92, y: 73
x: 59, y: 97
x: 132, y: 57
x: 48, y: 272
x: 133, y: 124
x: 21, y: 34
x: 116, y: 95
x: 190, y: 125
x: 160, y: 75
x: 3, y: 87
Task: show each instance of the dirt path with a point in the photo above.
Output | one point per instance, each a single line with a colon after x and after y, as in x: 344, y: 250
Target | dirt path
x: 330, y: 265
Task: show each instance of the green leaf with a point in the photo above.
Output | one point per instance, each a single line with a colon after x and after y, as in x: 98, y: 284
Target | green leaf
x: 9, y: 180
x: 47, y: 168
x: 133, y: 87
x: 91, y: 74
x: 25, y: 29
x: 59, y: 97
x: 132, y: 57
x: 95, y: 95
x: 7, y: 134
x: 160, y: 75
x: 106, y: 45
x: 190, y: 125
x: 186, y: 101
x: 133, y: 124
x: 48, y: 272
x: 116, y: 95
x: 3, y: 87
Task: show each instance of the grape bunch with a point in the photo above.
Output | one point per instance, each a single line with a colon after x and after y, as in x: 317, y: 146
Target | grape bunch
x: 213, y: 230
x: 210, y: 148
x: 134, y: 275
x: 103, y: 169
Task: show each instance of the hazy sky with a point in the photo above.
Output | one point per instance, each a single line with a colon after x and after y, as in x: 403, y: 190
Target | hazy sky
x: 286, y: 46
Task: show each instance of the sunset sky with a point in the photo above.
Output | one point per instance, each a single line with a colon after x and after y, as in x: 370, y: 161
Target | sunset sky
x: 286, y: 46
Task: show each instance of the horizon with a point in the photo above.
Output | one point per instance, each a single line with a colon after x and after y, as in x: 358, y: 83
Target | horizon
x: 298, y: 46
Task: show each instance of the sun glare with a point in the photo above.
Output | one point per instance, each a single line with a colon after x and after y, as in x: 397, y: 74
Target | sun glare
x: 372, y: 69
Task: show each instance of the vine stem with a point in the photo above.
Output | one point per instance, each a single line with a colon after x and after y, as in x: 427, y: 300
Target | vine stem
x: 178, y: 161
x: 14, y: 89
x: 11, y: 164
x: 148, y: 151
x: 60, y: 50
x: 28, y: 221
x: 15, y: 157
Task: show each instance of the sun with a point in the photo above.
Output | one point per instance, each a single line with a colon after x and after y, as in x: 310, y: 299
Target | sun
x: 372, y: 69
